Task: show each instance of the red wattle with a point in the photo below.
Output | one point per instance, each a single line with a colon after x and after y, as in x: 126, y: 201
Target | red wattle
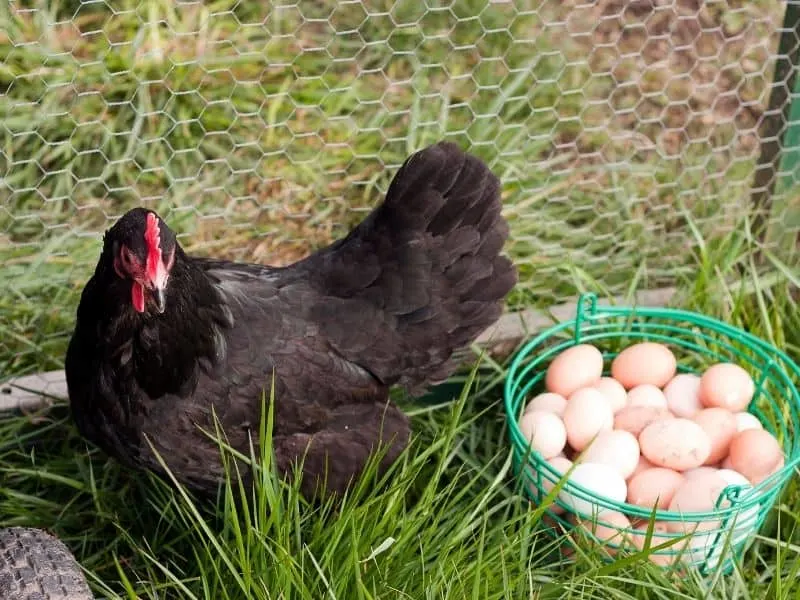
x: 137, y: 296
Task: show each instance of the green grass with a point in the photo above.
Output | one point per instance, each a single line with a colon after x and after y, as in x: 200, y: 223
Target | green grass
x: 447, y: 522
x: 264, y: 130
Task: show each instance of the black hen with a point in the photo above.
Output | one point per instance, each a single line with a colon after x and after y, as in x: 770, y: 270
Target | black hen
x: 165, y: 342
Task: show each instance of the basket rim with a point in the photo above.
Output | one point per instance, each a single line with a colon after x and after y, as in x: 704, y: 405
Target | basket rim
x: 587, y: 304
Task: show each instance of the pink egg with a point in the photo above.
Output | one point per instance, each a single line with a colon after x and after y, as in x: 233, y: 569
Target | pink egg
x: 755, y: 453
x: 548, y: 402
x: 720, y: 426
x: 618, y: 449
x: 696, y: 494
x: 647, y: 395
x: 726, y: 385
x: 683, y: 395
x: 699, y: 471
x: 577, y: 367
x: 587, y: 414
x: 613, y: 391
x: 653, y: 487
x: 646, y: 362
x: 642, y: 465
x: 780, y: 464
x: 677, y: 444
x: 608, y: 528
x: 661, y: 535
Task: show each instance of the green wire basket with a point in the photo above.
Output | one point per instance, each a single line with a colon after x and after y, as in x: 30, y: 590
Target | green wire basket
x: 697, y: 341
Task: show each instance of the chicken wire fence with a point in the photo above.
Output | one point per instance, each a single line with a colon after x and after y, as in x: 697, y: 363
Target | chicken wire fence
x: 623, y: 132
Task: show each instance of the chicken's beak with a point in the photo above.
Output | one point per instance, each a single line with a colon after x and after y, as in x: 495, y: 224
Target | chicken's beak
x: 160, y: 298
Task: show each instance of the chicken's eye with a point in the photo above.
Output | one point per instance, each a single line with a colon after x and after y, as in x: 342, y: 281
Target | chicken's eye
x: 127, y: 257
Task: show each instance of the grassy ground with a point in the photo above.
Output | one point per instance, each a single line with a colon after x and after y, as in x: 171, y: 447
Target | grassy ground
x: 447, y: 523
x: 261, y: 131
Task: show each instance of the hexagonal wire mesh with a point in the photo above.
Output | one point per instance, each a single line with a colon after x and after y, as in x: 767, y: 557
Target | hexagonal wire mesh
x: 263, y: 130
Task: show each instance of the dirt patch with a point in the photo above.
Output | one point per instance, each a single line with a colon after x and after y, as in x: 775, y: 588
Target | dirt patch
x: 678, y: 71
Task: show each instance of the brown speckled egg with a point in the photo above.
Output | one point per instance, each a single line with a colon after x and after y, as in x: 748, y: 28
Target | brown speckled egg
x: 635, y: 418
x: 678, y: 444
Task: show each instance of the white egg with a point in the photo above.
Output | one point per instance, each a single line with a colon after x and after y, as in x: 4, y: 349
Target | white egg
x: 600, y: 481
x: 548, y: 402
x: 619, y: 449
x: 544, y: 431
x: 746, y: 420
x: 587, y: 414
x: 746, y: 519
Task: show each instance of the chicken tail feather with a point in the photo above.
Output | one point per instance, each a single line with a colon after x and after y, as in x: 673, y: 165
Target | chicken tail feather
x: 425, y: 266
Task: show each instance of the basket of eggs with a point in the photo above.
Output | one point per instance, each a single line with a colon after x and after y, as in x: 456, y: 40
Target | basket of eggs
x: 654, y: 429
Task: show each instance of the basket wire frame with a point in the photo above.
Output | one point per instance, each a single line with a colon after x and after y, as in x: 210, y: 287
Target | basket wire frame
x: 698, y: 341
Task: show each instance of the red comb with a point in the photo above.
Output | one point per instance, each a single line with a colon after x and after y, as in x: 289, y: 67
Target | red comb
x: 152, y: 237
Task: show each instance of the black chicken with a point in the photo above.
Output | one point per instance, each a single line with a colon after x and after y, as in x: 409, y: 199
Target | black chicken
x: 166, y: 343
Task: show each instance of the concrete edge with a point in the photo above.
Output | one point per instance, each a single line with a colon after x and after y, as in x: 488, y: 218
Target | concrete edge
x: 40, y: 390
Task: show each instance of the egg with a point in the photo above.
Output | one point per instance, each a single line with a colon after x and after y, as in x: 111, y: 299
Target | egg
x: 587, y: 414
x: 696, y: 494
x: 561, y: 466
x: 618, y: 449
x: 544, y: 431
x: 600, y: 481
x: 720, y: 426
x: 745, y: 519
x: 608, y: 528
x: 635, y: 418
x: 661, y: 535
x: 613, y: 391
x: 577, y: 367
x: 732, y: 477
x: 755, y: 453
x: 708, y: 543
x: 677, y: 444
x: 646, y: 362
x: 654, y: 487
x: 642, y: 465
x: 745, y: 420
x: 699, y: 471
x: 647, y: 395
x: 757, y: 480
x: 726, y: 385
x: 683, y: 395
x: 548, y: 402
